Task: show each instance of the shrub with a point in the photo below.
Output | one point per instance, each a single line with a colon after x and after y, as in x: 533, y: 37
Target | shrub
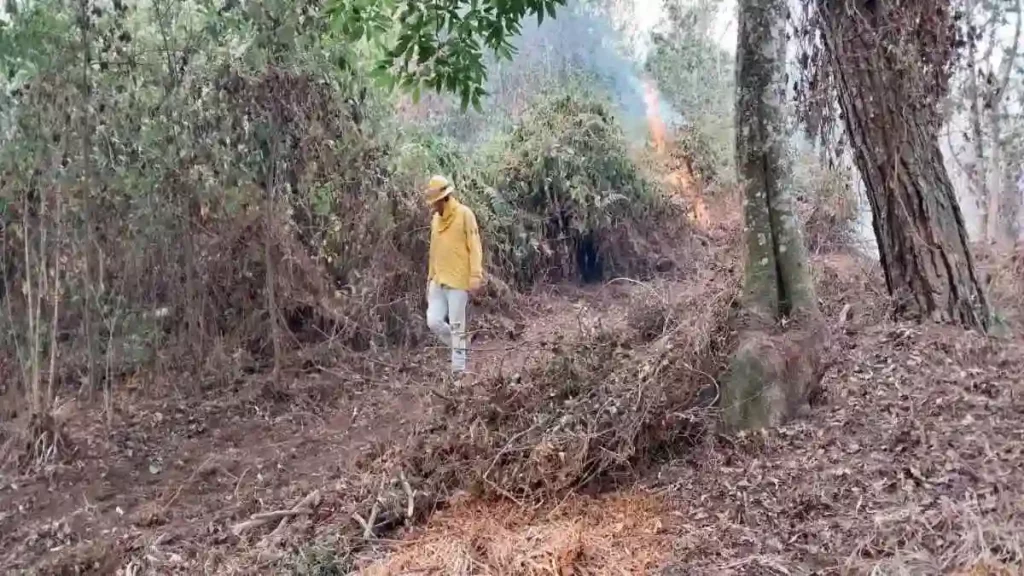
x: 827, y: 206
x: 568, y: 197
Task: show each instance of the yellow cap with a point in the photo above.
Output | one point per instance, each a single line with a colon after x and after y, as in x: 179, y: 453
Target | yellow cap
x: 437, y: 189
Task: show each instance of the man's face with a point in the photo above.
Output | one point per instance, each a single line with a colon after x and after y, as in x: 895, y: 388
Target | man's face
x: 439, y: 206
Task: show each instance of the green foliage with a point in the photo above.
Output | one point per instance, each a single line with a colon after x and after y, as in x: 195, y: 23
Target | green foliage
x: 437, y: 44
x: 559, y: 180
x: 167, y: 152
x: 565, y: 178
x: 697, y: 77
x: 569, y: 157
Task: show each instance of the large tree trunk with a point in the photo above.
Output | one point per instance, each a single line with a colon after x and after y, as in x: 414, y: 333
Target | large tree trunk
x: 773, y: 372
x: 890, y: 63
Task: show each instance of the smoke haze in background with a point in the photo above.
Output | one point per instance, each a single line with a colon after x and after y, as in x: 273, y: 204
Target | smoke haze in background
x: 580, y: 43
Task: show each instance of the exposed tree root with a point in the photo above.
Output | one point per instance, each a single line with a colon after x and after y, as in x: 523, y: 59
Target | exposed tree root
x: 773, y: 376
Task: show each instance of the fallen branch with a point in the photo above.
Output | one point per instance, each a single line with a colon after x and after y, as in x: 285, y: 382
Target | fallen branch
x: 277, y: 514
x: 305, y: 507
x: 191, y: 477
x: 844, y: 315
x: 411, y: 506
x: 363, y: 523
x: 368, y: 527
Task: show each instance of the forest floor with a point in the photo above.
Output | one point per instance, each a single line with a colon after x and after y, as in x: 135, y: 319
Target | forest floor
x: 911, y: 462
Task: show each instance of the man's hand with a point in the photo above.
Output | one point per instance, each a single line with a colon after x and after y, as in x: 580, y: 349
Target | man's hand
x: 475, y: 285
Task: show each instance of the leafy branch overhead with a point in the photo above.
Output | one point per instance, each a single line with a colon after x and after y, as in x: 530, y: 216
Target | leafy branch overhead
x: 438, y: 44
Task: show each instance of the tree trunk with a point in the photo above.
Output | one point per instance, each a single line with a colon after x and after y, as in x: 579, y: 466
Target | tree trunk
x: 271, y: 278
x: 995, y: 175
x: 1012, y: 201
x: 88, y: 250
x: 772, y: 374
x: 994, y: 227
x: 889, y: 82
x: 976, y: 165
x: 1013, y: 208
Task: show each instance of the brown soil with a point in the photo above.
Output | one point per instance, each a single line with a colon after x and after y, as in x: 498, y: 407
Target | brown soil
x: 164, y: 486
x: 911, y: 462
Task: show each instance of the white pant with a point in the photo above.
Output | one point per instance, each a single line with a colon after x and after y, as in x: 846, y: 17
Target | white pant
x: 443, y: 301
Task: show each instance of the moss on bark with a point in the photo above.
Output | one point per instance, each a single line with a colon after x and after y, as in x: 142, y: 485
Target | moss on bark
x: 771, y: 373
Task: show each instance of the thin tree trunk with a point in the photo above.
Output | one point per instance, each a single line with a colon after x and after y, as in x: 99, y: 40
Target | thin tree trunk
x: 193, y: 311
x: 994, y: 103
x: 1014, y: 202
x: 31, y: 298
x: 995, y: 177
x: 91, y: 338
x: 54, y: 325
x: 771, y: 374
x: 976, y: 165
x: 272, y: 312
x: 893, y: 129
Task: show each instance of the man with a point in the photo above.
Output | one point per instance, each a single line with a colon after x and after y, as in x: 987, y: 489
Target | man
x: 455, y: 268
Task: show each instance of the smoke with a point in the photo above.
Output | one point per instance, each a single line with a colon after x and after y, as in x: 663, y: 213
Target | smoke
x: 579, y: 44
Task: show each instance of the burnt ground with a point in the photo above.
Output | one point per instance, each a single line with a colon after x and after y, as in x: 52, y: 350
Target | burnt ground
x: 910, y: 463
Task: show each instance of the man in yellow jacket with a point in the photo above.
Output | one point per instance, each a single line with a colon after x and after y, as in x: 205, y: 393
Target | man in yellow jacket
x: 455, y: 269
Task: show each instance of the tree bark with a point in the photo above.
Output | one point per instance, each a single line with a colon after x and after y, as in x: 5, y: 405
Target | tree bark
x: 772, y: 373
x: 777, y: 281
x: 888, y: 92
x: 268, y: 235
x: 88, y: 250
x: 995, y: 174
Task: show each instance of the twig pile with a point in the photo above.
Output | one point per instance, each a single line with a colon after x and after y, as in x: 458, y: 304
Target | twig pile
x: 607, y: 403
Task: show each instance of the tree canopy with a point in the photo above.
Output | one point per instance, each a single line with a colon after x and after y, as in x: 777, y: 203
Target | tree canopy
x: 438, y: 44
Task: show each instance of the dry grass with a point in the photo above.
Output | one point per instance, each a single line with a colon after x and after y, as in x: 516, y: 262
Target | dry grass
x: 1004, y: 274
x: 607, y: 401
x: 620, y: 535
x: 912, y: 467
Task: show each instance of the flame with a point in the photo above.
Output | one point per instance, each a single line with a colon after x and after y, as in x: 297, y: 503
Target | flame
x: 654, y: 121
x: 680, y: 178
x: 682, y: 181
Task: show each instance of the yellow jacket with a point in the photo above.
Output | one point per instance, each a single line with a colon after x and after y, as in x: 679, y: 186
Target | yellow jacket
x: 456, y: 259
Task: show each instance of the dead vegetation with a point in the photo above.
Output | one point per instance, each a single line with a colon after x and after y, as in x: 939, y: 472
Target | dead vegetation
x: 621, y: 534
x: 907, y: 464
x: 907, y: 469
x: 1004, y: 277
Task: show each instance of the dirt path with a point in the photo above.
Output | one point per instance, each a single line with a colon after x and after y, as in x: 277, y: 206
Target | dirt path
x: 179, y: 471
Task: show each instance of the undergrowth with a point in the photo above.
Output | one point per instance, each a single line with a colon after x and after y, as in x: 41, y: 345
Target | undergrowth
x: 558, y: 197
x: 284, y: 170
x: 568, y: 199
